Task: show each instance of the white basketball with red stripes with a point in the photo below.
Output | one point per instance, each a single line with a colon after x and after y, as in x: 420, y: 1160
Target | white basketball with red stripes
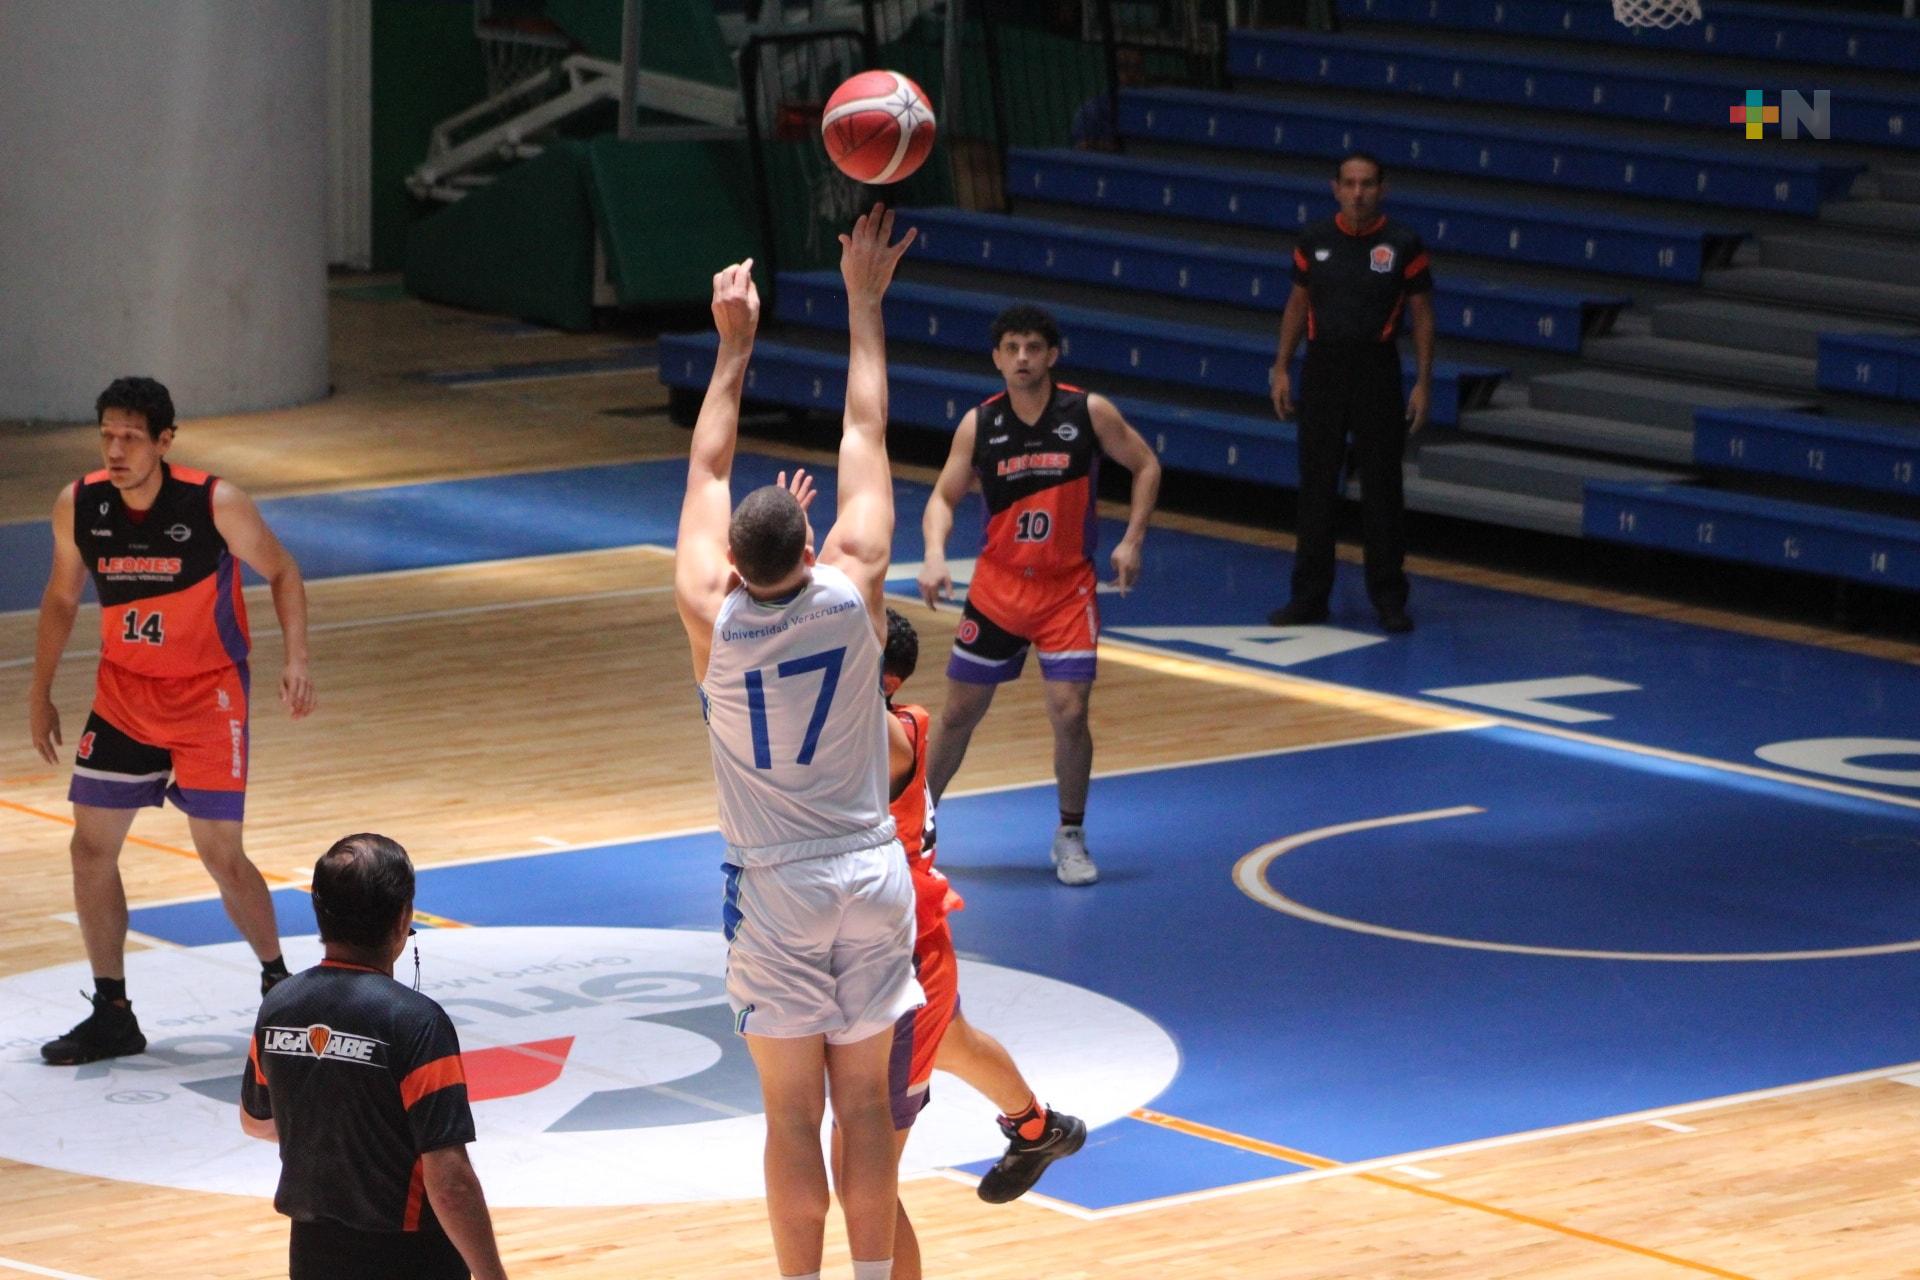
x: 878, y: 127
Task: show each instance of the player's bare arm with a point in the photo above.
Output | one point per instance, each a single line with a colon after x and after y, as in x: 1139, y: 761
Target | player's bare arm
x: 254, y: 1127
x: 1119, y: 441
x: 702, y: 575
x: 936, y: 524
x: 860, y: 543
x: 254, y: 544
x: 1420, y: 312
x: 899, y: 757
x: 59, y: 605
x: 1293, y: 327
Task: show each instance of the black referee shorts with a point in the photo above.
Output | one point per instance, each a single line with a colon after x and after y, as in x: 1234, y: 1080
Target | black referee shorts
x: 329, y: 1251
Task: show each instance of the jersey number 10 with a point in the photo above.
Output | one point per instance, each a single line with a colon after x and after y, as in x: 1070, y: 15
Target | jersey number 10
x: 1034, y: 526
x: 828, y: 664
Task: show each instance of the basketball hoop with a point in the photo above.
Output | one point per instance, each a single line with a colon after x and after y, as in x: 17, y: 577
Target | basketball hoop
x: 1656, y: 13
x: 517, y: 46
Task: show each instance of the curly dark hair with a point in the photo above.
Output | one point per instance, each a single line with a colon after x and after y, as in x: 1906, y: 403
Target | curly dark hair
x: 1026, y: 318
x: 903, y: 647
x: 143, y: 396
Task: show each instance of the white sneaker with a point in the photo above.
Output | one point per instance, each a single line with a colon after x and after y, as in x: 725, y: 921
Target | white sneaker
x: 1071, y: 861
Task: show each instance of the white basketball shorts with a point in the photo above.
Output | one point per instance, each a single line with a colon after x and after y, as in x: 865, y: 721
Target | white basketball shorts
x: 822, y: 946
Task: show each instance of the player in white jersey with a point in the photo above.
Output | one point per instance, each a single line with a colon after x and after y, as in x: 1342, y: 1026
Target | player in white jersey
x: 786, y: 650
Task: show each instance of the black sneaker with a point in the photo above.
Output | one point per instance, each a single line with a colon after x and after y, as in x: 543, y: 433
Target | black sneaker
x: 1298, y: 614
x: 1026, y: 1160
x: 1395, y: 620
x: 108, y: 1032
x: 268, y: 981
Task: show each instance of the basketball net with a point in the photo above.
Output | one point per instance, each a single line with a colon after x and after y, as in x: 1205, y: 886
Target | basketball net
x: 1656, y: 13
x: 515, y: 48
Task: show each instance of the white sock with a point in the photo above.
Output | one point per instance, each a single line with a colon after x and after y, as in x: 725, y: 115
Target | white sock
x: 811, y: 1275
x: 882, y: 1270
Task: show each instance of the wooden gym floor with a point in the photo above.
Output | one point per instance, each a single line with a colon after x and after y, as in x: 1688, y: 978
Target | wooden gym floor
x: 465, y: 709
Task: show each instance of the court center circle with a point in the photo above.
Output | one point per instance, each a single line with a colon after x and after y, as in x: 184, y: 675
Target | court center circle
x: 1250, y: 875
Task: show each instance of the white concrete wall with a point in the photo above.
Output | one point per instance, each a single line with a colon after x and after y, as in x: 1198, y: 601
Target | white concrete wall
x: 163, y: 175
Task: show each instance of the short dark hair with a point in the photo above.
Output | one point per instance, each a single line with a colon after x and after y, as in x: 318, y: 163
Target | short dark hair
x: 1026, y: 318
x: 137, y: 395
x: 767, y: 534
x: 361, y: 888
x: 1379, y: 166
x: 903, y: 647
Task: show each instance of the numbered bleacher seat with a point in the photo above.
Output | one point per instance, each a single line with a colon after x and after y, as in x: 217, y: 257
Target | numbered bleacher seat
x: 1815, y: 36
x: 1586, y: 86
x: 1544, y: 155
x: 1512, y: 231
x: 1485, y: 311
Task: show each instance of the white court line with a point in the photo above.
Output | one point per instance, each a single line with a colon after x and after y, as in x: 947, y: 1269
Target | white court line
x: 1811, y: 782
x: 1671, y: 1127
x: 27, y: 1268
x: 1415, y: 1171
x: 1522, y: 1138
x: 546, y: 850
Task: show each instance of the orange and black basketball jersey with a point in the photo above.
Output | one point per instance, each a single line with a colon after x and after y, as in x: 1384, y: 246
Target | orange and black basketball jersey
x: 1039, y: 482
x: 913, y: 821
x: 169, y: 588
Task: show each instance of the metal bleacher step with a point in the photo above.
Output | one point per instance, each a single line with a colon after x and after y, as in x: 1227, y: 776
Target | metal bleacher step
x: 1536, y: 472
x: 1862, y: 258
x: 1876, y: 298
x: 1491, y: 506
x: 1755, y: 327
x: 1900, y: 184
x: 1886, y: 217
x: 1637, y: 440
x: 1696, y: 359
x: 1636, y: 398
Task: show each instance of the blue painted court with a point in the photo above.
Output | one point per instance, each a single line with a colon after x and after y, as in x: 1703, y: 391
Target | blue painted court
x: 1414, y: 991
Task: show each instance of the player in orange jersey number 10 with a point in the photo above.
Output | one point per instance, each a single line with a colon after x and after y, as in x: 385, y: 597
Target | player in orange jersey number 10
x: 878, y: 127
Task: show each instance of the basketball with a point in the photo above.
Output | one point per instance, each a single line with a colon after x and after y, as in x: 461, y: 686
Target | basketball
x: 878, y: 127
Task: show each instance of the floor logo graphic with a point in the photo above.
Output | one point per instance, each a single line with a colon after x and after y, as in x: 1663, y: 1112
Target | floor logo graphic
x: 602, y: 1064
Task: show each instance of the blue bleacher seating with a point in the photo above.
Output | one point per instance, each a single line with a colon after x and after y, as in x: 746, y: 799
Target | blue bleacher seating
x: 1858, y: 455
x: 1676, y: 95
x: 1808, y: 36
x: 1100, y: 341
x: 1508, y: 230
x: 1548, y: 319
x: 1551, y: 157
x: 1870, y: 364
x: 1245, y: 447
x: 1883, y: 550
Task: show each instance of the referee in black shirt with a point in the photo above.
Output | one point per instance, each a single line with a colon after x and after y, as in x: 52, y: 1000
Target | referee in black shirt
x: 359, y: 1081
x: 1353, y: 275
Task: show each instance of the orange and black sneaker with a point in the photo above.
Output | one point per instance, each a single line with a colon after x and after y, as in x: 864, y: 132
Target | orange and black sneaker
x: 110, y: 1031
x: 1028, y: 1158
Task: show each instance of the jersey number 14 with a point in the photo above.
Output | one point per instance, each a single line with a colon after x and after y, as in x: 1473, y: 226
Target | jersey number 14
x: 151, y: 631
x: 827, y: 663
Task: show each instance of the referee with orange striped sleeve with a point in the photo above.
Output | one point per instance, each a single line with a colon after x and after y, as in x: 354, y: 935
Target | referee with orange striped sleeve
x: 1353, y: 276
x: 360, y: 1082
